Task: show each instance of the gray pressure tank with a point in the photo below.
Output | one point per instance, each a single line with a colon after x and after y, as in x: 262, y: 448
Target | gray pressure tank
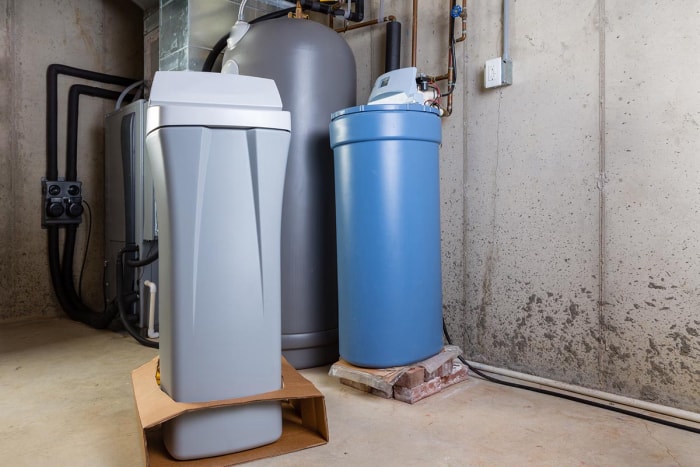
x: 314, y: 70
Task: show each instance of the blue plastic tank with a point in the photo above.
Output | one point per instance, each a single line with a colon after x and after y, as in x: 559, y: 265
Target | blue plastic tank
x: 388, y: 233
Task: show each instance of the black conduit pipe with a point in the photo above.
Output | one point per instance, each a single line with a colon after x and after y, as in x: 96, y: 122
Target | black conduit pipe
x: 71, y: 174
x: 68, y: 299
x: 52, y: 73
x: 75, y: 311
x: 392, y: 59
x: 74, y: 94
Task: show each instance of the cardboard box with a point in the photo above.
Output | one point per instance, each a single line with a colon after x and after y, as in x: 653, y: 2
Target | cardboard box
x: 304, y: 423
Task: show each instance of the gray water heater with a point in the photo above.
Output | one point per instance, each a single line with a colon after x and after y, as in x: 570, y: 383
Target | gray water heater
x: 314, y: 70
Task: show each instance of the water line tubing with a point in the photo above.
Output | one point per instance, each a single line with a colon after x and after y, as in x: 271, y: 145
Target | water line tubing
x: 594, y: 393
x: 67, y: 298
x: 610, y: 399
x: 125, y: 92
x: 134, y: 263
x: 241, y: 10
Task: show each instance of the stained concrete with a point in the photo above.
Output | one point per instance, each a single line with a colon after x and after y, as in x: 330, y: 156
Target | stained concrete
x: 652, y: 246
x: 581, y: 197
x: 66, y: 399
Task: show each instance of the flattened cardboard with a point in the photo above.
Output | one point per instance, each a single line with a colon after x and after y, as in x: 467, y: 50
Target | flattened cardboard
x: 304, y: 417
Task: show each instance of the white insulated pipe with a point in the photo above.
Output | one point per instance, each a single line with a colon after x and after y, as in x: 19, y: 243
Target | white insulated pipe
x: 594, y: 393
x: 152, y: 334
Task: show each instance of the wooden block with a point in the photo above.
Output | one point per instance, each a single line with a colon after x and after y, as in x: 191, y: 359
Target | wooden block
x: 380, y: 393
x: 355, y: 385
x: 411, y: 378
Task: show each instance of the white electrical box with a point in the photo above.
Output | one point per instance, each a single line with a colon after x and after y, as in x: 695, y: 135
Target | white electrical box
x: 498, y: 72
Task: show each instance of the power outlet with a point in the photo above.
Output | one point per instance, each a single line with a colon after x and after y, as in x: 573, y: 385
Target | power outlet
x: 492, y: 73
x: 498, y: 72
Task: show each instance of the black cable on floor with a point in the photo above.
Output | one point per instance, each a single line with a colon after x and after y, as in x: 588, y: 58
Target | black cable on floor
x: 569, y: 397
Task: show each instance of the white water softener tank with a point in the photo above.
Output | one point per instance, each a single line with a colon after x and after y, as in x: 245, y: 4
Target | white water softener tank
x: 218, y: 149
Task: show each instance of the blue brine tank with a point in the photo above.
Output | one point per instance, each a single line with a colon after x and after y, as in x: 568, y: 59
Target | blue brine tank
x: 388, y: 233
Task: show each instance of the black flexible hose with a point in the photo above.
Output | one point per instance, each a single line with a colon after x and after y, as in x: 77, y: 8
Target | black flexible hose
x: 215, y: 52
x: 569, y: 397
x: 122, y: 302
x: 137, y: 263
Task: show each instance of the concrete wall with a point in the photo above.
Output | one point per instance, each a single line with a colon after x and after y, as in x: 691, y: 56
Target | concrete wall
x: 582, y: 195
x: 102, y: 36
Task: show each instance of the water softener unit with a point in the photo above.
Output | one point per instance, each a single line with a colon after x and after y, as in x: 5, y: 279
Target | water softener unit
x: 217, y: 145
x: 314, y: 69
x: 388, y: 222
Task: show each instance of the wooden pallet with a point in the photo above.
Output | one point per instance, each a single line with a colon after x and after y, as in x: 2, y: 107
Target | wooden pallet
x: 409, y: 383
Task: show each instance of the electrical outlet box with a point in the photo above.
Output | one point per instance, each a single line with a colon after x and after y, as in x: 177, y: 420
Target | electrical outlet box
x: 498, y: 72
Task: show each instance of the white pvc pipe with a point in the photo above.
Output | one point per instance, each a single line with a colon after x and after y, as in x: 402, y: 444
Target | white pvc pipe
x: 151, y: 309
x: 594, y: 393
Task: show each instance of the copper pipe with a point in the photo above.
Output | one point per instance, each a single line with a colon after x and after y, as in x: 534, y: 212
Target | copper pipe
x: 450, y: 63
x: 450, y: 70
x: 366, y: 23
x: 437, y: 78
x: 464, y: 22
x: 414, y: 33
